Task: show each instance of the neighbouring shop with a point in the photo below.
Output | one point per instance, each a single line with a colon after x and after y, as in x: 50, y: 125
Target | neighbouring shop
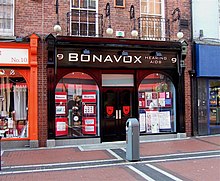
x: 208, y: 88
x: 18, y: 92
x: 96, y: 84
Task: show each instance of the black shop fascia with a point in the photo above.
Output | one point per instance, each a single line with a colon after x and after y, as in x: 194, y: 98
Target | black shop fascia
x: 101, y: 58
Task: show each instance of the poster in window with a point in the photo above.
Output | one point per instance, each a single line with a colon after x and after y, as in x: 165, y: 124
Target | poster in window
x: 60, y: 110
x: 142, y: 122
x: 61, y: 126
x: 154, y: 122
x: 164, y: 119
x: 148, y: 121
x: 89, y: 125
x: 119, y: 3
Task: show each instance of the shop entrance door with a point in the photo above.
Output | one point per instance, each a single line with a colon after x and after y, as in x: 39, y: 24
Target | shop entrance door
x: 117, y: 104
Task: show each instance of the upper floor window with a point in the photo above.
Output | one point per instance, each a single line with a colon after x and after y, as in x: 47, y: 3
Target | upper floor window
x: 6, y: 17
x: 152, y: 20
x: 84, y: 20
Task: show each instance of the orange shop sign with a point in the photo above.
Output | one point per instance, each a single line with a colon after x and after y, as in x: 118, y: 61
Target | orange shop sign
x: 14, y: 56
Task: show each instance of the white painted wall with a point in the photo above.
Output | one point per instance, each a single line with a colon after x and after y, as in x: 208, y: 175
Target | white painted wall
x: 206, y: 17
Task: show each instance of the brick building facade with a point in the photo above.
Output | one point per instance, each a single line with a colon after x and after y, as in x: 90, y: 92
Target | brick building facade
x: 39, y: 17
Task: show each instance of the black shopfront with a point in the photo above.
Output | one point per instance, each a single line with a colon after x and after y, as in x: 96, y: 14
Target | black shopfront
x: 96, y: 84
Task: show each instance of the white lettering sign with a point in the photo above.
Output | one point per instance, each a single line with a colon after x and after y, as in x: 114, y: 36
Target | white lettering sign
x: 13, y: 56
x: 75, y: 57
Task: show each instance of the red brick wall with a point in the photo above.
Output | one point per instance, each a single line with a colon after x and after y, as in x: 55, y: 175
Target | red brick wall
x: 39, y: 17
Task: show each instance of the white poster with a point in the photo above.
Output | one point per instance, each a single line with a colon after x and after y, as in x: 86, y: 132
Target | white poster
x: 148, y: 121
x: 61, y: 126
x: 154, y: 122
x: 60, y: 110
x: 164, y: 119
x: 142, y: 122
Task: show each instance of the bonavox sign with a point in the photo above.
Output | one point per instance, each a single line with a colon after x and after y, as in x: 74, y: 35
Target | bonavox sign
x: 114, y: 59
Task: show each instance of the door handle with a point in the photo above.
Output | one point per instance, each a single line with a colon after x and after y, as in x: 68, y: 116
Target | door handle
x: 119, y: 111
x: 116, y: 114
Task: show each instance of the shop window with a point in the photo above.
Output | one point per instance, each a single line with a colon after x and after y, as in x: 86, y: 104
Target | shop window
x: 6, y: 17
x: 13, y: 104
x: 77, y: 106
x: 214, y: 103
x: 157, y: 110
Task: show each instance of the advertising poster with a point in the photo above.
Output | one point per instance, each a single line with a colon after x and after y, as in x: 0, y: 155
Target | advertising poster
x: 164, y: 119
x: 61, y: 127
x: 60, y: 110
x: 61, y: 97
x: 154, y: 122
x: 89, y: 125
x: 148, y: 122
x: 142, y: 122
x: 89, y: 97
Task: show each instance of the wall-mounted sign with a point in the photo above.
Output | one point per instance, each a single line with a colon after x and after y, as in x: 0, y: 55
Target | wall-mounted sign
x: 111, y: 58
x: 14, y: 56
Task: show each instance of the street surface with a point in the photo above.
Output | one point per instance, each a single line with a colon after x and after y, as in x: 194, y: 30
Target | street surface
x: 190, y: 159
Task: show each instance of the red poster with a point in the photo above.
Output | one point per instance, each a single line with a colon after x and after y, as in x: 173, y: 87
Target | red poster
x: 60, y: 97
x: 89, y: 125
x: 89, y: 97
x: 61, y: 127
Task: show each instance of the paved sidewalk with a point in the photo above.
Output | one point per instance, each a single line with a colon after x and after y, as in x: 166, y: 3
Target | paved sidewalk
x: 106, y: 161
x: 31, y: 156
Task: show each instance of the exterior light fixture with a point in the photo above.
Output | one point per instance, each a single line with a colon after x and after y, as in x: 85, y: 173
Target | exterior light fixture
x: 109, y: 30
x: 86, y: 52
x: 134, y: 32
x: 123, y: 53
x: 156, y: 54
x: 57, y: 28
x: 180, y: 35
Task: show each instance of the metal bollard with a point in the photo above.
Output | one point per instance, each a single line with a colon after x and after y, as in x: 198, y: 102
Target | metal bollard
x: 132, y: 140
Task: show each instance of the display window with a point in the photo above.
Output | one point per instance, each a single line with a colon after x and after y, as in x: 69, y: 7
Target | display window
x: 214, y: 103
x: 77, y: 108
x: 13, y: 104
x: 157, y: 107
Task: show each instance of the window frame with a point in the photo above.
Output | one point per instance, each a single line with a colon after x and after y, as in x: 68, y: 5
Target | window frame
x: 118, y: 5
x: 5, y: 31
x: 79, y: 21
x: 154, y: 28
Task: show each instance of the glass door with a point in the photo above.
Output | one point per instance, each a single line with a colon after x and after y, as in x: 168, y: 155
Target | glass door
x: 117, y: 104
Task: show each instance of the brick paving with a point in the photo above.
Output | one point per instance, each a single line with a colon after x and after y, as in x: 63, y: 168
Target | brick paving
x: 57, y: 155
x: 196, y: 170
x: 187, y: 169
x: 180, y: 146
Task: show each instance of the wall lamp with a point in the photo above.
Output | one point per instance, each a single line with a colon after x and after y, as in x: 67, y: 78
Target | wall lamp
x: 134, y: 32
x: 156, y: 54
x: 57, y: 28
x: 86, y: 52
x: 123, y: 53
x: 109, y: 30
